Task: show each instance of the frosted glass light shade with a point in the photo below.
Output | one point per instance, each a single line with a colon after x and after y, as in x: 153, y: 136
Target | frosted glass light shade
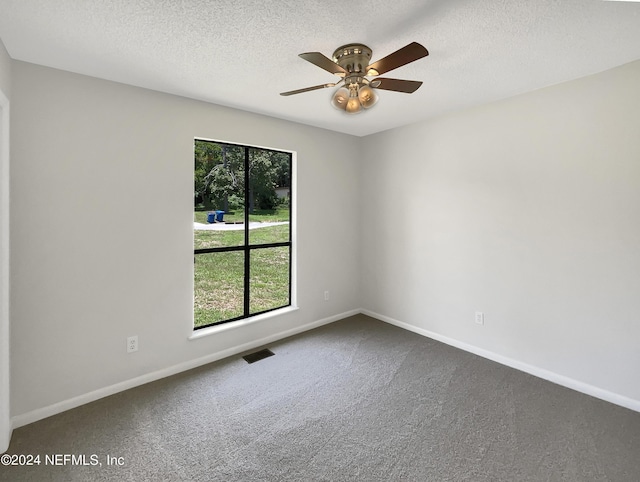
x: 353, y: 105
x: 367, y: 96
x: 340, y: 98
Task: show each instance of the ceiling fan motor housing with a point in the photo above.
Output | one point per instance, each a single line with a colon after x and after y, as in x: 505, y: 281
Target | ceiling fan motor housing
x: 354, y: 58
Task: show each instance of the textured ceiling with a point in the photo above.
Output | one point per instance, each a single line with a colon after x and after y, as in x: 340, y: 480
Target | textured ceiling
x: 243, y: 53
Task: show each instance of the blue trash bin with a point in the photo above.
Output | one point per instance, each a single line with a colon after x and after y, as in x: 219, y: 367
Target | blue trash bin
x: 219, y: 216
x: 211, y: 217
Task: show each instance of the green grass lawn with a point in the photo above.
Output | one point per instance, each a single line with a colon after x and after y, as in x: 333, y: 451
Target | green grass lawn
x: 219, y: 277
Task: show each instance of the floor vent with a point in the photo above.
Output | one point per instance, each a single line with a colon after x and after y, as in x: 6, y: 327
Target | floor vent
x: 259, y: 355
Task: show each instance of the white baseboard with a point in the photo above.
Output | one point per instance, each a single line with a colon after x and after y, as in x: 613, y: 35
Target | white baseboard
x: 41, y: 413
x: 518, y: 365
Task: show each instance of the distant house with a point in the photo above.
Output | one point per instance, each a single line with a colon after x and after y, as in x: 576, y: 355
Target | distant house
x: 283, y: 192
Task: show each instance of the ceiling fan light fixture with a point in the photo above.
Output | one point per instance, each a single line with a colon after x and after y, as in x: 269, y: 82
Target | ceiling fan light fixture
x: 340, y: 98
x: 352, y: 63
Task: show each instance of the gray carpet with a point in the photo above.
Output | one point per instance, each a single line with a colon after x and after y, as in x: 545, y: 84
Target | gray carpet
x: 354, y: 400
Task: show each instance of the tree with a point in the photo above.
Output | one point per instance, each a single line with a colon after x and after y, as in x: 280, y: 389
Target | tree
x: 206, y: 154
x: 262, y: 192
x: 219, y: 175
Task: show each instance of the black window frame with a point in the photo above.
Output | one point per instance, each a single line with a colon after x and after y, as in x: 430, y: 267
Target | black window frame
x: 247, y: 247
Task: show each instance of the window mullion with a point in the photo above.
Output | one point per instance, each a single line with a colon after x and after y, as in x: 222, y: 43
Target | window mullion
x: 247, y: 254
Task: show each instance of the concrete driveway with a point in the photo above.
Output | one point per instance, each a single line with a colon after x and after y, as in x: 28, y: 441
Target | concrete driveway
x: 234, y: 227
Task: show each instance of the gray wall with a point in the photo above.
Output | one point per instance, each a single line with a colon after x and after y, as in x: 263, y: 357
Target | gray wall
x: 527, y: 210
x: 5, y: 93
x: 101, y: 231
x: 5, y: 71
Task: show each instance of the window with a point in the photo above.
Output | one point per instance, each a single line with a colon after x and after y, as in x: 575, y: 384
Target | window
x: 242, y: 232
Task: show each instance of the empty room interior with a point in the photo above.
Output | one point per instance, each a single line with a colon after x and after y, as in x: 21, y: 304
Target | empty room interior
x: 462, y: 282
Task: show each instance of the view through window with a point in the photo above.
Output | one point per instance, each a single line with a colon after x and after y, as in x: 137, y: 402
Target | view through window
x: 242, y: 232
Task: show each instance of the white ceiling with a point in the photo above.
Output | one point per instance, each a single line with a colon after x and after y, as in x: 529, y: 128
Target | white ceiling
x: 243, y: 53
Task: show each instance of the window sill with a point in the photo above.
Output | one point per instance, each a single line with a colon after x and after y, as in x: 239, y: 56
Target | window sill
x: 213, y: 330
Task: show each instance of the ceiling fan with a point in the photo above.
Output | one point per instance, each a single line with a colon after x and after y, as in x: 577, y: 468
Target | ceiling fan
x: 351, y: 62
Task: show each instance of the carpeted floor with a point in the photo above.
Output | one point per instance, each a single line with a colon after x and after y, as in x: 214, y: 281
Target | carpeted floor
x: 354, y: 400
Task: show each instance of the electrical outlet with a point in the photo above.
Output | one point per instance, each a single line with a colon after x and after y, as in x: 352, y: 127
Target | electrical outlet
x: 479, y: 318
x: 326, y: 296
x: 132, y: 344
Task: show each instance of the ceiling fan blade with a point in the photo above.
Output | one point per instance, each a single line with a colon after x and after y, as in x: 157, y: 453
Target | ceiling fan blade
x: 316, y: 58
x: 307, y: 89
x: 397, y: 85
x: 405, y: 55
